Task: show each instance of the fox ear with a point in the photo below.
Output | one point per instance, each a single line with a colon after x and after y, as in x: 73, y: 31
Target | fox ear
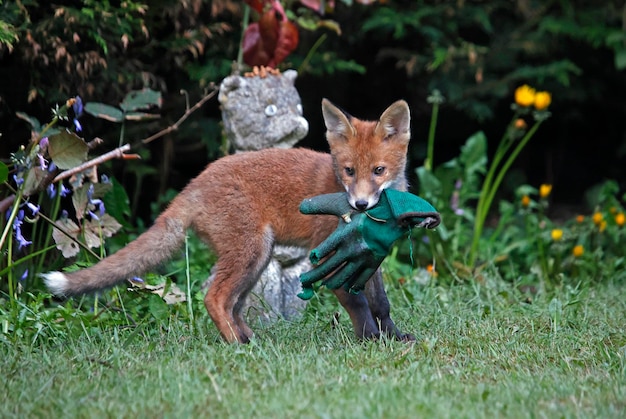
x: 396, y: 120
x: 336, y: 121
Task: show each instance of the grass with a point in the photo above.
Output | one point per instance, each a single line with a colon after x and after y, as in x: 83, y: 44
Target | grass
x: 480, y: 352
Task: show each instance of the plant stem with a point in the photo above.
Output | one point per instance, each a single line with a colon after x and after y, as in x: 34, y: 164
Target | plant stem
x: 12, y: 296
x: 314, y: 48
x: 9, y: 225
x: 481, y: 213
x: 490, y: 188
x: 507, y: 165
x: 188, y: 278
x: 428, y: 164
x: 244, y: 25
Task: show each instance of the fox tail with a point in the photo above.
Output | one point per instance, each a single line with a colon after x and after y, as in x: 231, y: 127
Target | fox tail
x: 152, y: 247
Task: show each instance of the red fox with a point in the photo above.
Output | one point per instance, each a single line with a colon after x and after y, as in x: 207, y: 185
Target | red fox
x: 243, y: 204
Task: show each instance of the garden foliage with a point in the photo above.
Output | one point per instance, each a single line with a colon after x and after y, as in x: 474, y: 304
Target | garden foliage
x: 128, y: 58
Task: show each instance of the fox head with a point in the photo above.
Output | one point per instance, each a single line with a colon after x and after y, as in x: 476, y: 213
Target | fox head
x: 369, y: 156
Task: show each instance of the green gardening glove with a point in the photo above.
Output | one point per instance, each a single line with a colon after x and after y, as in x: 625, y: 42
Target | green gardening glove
x: 355, y: 250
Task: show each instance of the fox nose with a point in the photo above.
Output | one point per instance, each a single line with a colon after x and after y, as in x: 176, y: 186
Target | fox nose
x: 361, y: 204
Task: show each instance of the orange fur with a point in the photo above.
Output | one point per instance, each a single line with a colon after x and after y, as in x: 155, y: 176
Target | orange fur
x: 243, y: 204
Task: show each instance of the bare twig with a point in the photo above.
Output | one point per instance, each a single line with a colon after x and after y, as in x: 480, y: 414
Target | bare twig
x: 116, y: 153
x: 182, y: 119
x: 119, y: 152
x: 6, y: 203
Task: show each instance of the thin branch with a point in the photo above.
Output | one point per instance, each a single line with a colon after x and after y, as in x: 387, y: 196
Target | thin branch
x: 182, y: 119
x: 6, y: 203
x: 116, y: 153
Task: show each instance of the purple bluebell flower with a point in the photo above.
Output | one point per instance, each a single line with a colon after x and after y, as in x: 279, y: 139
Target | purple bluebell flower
x: 21, y: 241
x: 52, y: 191
x: 52, y: 167
x: 24, y: 275
x: 137, y: 279
x: 105, y: 179
x: 95, y: 202
x: 42, y: 162
x: 100, y: 205
x: 77, y: 107
x: 425, y: 239
x: 43, y: 143
x: 34, y: 209
x: 17, y: 228
x: 64, y: 191
x: 18, y: 180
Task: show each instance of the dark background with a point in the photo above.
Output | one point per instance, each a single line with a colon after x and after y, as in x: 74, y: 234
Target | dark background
x: 566, y: 47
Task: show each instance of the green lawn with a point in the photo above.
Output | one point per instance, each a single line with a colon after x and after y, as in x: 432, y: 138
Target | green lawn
x: 479, y: 353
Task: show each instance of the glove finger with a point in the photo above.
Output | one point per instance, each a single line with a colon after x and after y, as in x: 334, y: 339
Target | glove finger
x: 326, y: 247
x: 322, y: 271
x: 332, y: 204
x: 358, y: 284
x: 306, y: 293
x: 343, y: 276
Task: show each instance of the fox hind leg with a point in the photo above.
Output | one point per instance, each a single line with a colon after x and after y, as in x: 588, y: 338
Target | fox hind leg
x: 237, y: 271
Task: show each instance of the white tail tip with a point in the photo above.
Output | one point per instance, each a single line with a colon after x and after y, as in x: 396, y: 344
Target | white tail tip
x: 56, y: 282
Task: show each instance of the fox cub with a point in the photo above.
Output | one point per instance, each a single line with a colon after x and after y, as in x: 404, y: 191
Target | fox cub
x: 243, y: 204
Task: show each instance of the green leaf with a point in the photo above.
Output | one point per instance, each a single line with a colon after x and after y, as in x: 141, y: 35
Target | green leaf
x: 34, y: 179
x: 34, y: 122
x: 474, y: 154
x: 80, y: 200
x: 104, y: 111
x: 4, y: 172
x: 116, y: 201
x: 67, y: 150
x: 143, y: 99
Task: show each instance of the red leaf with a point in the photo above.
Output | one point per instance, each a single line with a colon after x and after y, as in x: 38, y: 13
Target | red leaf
x: 257, y: 5
x: 270, y: 40
x: 268, y: 25
x: 287, y: 42
x: 253, y: 50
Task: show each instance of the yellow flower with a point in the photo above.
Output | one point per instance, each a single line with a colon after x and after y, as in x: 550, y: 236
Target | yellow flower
x: 544, y: 190
x: 597, y: 218
x: 525, y: 95
x: 557, y: 234
x: 542, y: 100
x: 578, y: 250
x: 620, y: 219
x: 525, y: 201
x: 580, y: 219
x: 431, y: 269
x: 602, y: 226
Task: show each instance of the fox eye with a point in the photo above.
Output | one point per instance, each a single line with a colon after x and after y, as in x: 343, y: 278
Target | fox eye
x: 349, y: 171
x: 379, y: 170
x: 270, y: 110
